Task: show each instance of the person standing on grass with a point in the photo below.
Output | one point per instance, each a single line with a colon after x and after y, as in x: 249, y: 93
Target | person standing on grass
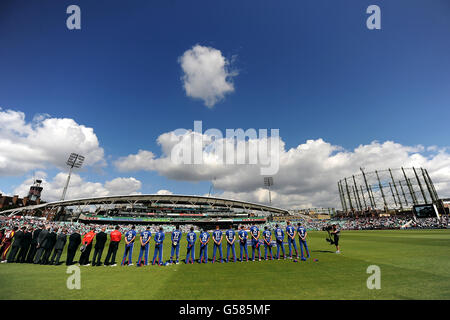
x: 18, y: 237
x: 115, y: 238
x: 254, y: 233
x: 33, y: 245
x: 6, y: 243
x: 302, y: 241
x: 217, y: 238
x: 100, y: 240
x: 267, y: 236
x: 176, y: 238
x: 130, y: 235
x: 159, y: 238
x: 25, y: 246
x: 145, y: 240
x: 291, y: 233
x: 279, y: 235
x: 87, y: 243
x: 230, y: 235
x: 61, y: 239
x: 204, y: 239
x: 48, y: 245
x: 191, y: 238
x: 336, y: 233
x: 243, y: 235
x: 40, y: 242
x: 74, y: 242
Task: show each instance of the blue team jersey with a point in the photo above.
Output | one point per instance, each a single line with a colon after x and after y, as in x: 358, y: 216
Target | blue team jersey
x: 267, y: 235
x: 204, y: 237
x: 254, y: 231
x: 145, y: 235
x: 230, y: 234
x: 301, y: 231
x: 159, y: 237
x: 176, y: 237
x: 279, y: 234
x: 290, y: 230
x: 243, y: 234
x: 130, y: 235
x: 191, y: 237
x: 217, y: 235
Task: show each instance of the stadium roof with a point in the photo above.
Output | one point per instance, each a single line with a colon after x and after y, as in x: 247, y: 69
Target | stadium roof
x: 154, y: 199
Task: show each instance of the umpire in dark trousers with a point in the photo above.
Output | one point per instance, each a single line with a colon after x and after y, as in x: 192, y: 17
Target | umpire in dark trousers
x: 100, y: 240
x: 115, y: 236
x: 61, y: 239
x: 74, y: 242
x: 33, y: 246
x: 40, y: 242
x: 18, y: 238
x: 26, y: 242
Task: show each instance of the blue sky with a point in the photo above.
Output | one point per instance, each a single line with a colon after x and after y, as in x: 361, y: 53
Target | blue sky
x: 310, y: 68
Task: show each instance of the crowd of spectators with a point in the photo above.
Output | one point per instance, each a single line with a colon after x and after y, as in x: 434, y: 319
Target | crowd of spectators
x: 372, y: 223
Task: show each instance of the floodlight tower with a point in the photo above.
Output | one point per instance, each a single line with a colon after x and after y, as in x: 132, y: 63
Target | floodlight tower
x: 268, y: 181
x: 75, y: 161
x: 211, y: 188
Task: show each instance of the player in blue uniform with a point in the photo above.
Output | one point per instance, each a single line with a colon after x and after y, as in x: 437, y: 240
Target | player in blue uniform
x: 130, y: 235
x: 191, y: 237
x: 279, y: 236
x: 291, y: 233
x: 204, y: 239
x: 176, y: 238
x: 159, y: 238
x: 254, y: 232
x: 145, y: 239
x: 243, y: 242
x: 302, y: 240
x: 217, y: 238
x: 267, y: 236
x: 231, y: 238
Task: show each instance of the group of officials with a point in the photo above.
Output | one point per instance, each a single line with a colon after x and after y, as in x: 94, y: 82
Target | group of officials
x: 43, y: 245
x: 32, y: 245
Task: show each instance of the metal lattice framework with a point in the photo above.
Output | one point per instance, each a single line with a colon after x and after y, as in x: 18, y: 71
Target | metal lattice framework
x: 389, y: 189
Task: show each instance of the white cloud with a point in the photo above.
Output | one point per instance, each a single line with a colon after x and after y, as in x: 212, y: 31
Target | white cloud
x: 171, y: 164
x: 143, y: 160
x: 206, y: 74
x: 308, y: 173
x: 78, y: 187
x: 120, y: 186
x: 164, y: 192
x: 42, y: 142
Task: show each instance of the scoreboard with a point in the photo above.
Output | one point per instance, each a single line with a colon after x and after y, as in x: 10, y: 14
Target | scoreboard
x: 425, y: 211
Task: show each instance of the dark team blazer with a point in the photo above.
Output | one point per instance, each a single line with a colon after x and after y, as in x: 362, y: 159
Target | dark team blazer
x: 18, y: 237
x: 60, y: 241
x: 74, y: 241
x: 100, y: 240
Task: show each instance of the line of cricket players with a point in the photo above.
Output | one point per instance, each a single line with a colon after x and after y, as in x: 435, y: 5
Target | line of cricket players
x: 257, y: 241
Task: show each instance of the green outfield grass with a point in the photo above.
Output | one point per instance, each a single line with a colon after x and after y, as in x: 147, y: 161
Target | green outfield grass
x: 414, y: 265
